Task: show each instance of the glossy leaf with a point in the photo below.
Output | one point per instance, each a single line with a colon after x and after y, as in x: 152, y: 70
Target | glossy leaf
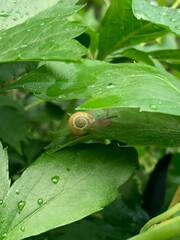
x: 107, y: 85
x: 46, y: 36
x: 4, y: 176
x: 59, y: 189
x: 167, y: 17
x: 15, y: 12
x: 120, y: 28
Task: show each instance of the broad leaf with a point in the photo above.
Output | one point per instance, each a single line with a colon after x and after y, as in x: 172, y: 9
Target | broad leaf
x: 64, y: 187
x: 164, y: 16
x: 46, y: 36
x: 107, y: 85
x: 120, y: 28
x: 4, y: 176
x: 128, y: 126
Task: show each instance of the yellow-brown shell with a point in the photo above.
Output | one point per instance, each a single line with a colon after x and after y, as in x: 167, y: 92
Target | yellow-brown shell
x: 80, y: 122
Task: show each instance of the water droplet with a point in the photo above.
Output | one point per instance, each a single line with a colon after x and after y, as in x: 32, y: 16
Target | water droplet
x: 1, y: 201
x: 173, y: 20
x: 15, y: 1
x: 40, y: 201
x: 26, y: 13
x: 4, y: 14
x: 110, y: 85
x: 153, y: 107
x: 24, y: 45
x: 4, y: 205
x: 68, y: 169
x: 22, y: 229
x: 14, y: 18
x: 154, y: 4
x: 177, y: 27
x: 17, y: 191
x: 21, y: 205
x: 42, y: 24
x: 28, y: 30
x: 55, y: 179
x: 159, y: 102
x: 164, y: 13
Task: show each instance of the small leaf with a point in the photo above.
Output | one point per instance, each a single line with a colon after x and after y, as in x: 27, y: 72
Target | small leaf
x: 64, y: 187
x: 166, y: 17
x: 4, y: 175
x: 46, y: 36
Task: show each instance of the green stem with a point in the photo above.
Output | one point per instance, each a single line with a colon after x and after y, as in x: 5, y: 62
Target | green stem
x: 169, y: 213
x: 33, y: 104
x: 176, y: 4
x: 165, y: 230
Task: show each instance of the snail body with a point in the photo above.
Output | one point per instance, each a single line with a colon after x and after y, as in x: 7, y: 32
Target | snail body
x: 80, y: 122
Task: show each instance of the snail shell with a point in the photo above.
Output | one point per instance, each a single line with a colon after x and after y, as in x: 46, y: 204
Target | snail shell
x: 80, y: 122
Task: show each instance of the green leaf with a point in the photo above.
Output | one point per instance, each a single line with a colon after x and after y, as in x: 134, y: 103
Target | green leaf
x: 46, y: 36
x: 15, y: 12
x: 164, y: 16
x: 169, y: 54
x: 139, y: 128
x: 137, y: 55
x: 13, y: 127
x: 64, y: 187
x: 4, y: 176
x: 120, y: 28
x: 107, y: 85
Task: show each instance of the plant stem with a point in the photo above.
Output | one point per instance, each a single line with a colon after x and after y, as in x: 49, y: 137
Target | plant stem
x: 33, y: 104
x: 176, y: 4
x: 166, y: 231
x: 176, y: 198
x: 169, y: 213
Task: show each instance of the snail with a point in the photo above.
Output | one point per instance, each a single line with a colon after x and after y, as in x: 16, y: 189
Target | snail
x: 80, y: 122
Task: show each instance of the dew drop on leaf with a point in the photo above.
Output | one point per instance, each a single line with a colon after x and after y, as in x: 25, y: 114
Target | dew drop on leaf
x: 164, y: 13
x: 68, y: 169
x: 1, y: 201
x: 177, y: 27
x: 55, y: 179
x: 17, y: 191
x: 153, y: 107
x: 21, y: 205
x: 40, y: 201
x: 22, y: 229
x: 110, y: 85
x: 14, y: 18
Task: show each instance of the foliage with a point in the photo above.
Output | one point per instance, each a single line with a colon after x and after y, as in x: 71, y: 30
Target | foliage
x: 118, y: 60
